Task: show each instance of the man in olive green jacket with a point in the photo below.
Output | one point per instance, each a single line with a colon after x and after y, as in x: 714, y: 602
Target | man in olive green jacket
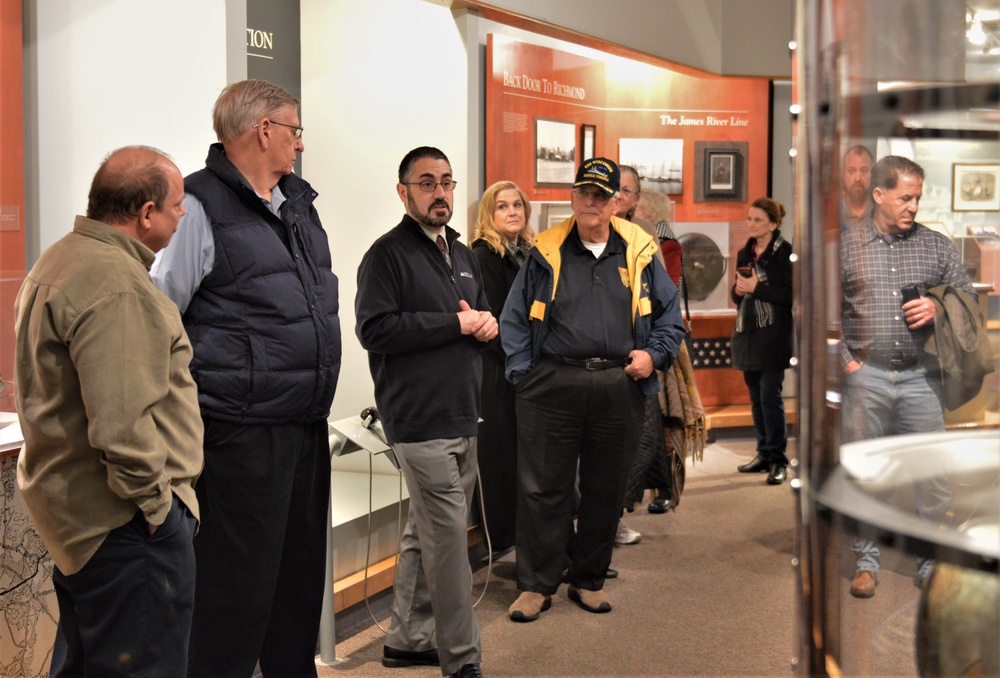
x: 112, y: 430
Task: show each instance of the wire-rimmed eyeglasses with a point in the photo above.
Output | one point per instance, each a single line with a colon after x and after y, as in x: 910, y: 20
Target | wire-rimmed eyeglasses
x: 296, y: 131
x: 428, y: 186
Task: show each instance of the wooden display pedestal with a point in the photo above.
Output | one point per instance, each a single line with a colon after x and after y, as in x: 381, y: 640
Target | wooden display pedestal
x: 723, y: 392
x: 718, y: 383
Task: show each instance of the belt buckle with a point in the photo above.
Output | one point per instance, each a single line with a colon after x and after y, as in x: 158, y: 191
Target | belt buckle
x: 900, y: 363
x: 593, y: 364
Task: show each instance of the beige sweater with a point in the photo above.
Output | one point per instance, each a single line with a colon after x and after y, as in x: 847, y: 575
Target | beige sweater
x: 107, y: 406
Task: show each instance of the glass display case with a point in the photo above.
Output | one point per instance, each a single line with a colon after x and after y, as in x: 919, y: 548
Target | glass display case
x: 891, y: 479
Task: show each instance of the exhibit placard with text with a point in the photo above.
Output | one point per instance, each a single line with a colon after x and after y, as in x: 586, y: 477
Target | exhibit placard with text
x: 545, y: 108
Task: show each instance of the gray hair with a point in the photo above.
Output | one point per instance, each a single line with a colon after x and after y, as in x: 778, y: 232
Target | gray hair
x: 243, y: 103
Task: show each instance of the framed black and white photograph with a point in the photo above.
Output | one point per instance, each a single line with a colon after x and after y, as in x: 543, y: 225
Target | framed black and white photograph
x: 659, y: 162
x: 974, y: 188
x: 552, y: 213
x: 720, y: 171
x: 555, y: 152
x: 588, y: 141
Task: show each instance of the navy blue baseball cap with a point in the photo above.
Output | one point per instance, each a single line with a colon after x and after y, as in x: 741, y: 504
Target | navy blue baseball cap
x: 599, y: 172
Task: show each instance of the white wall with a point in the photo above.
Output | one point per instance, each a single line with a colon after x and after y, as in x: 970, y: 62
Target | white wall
x: 378, y: 79
x: 101, y: 74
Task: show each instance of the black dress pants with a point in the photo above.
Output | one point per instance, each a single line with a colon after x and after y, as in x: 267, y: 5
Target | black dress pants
x: 261, y: 549
x: 569, y: 417
x: 498, y: 453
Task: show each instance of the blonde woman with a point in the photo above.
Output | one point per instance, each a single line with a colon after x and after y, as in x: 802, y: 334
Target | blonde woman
x: 501, y: 242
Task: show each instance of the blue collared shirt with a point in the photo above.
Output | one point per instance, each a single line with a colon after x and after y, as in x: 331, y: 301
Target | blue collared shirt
x: 180, y: 267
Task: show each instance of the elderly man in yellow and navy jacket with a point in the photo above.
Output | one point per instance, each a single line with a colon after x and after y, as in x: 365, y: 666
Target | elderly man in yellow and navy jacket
x: 589, y: 318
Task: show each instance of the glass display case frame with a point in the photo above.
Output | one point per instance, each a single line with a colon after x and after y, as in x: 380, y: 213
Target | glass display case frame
x: 864, y: 74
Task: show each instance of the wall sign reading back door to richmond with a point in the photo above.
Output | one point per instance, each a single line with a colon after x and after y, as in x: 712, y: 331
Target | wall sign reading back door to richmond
x: 274, y: 47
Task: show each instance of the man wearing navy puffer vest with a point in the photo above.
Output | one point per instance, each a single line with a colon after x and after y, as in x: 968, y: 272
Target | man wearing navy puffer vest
x: 250, y: 270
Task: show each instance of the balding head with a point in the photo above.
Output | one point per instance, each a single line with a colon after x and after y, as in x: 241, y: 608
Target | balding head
x: 126, y: 180
x: 138, y: 191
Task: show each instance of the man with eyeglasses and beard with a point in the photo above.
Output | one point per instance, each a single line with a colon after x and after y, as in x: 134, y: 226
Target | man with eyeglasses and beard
x: 423, y: 317
x: 856, y: 182
x: 250, y: 271
x: 589, y: 318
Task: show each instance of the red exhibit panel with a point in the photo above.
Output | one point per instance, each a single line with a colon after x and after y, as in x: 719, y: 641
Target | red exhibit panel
x: 539, y: 100
x: 11, y: 184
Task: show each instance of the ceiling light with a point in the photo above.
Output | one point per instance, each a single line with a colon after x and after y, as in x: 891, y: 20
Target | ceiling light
x: 976, y: 35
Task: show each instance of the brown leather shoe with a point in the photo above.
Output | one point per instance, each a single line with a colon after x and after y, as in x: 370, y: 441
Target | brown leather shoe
x: 591, y: 601
x: 863, y: 585
x: 528, y: 606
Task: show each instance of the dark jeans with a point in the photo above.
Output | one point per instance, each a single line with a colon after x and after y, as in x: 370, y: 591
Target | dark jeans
x: 768, y: 411
x: 569, y: 416
x: 264, y: 497
x: 128, y: 611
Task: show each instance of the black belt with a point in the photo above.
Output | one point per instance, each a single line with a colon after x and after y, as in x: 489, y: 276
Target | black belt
x: 889, y: 363
x: 592, y: 364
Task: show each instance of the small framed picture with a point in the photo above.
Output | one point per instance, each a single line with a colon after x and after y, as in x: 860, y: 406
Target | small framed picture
x: 555, y: 152
x: 553, y: 213
x: 722, y: 173
x: 974, y: 188
x: 588, y: 140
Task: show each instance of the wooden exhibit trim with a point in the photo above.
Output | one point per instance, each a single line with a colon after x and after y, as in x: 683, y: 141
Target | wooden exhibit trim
x: 351, y: 590
x: 737, y: 416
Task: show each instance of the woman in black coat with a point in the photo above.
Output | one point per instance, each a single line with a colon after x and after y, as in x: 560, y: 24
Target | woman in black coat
x: 762, y: 338
x: 501, y: 242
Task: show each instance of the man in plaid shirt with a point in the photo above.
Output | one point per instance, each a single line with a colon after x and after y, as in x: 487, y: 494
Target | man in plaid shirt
x: 891, y: 386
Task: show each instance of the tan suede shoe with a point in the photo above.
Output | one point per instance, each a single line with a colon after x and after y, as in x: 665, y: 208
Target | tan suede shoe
x: 528, y: 606
x: 591, y: 601
x: 863, y: 585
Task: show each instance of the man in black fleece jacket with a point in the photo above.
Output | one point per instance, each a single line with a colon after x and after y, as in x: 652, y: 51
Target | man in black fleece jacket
x: 423, y: 317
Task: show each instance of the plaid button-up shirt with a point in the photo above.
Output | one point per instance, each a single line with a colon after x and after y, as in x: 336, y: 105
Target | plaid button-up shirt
x: 874, y: 270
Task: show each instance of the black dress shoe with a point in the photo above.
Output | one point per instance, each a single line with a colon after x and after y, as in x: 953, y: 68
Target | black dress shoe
x: 777, y: 474
x: 469, y: 671
x: 394, y: 659
x: 758, y: 465
x: 660, y: 505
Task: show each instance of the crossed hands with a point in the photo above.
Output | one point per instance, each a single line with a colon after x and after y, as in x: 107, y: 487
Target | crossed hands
x: 745, y: 286
x: 480, y: 324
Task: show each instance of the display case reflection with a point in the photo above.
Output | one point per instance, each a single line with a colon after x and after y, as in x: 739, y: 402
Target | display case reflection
x: 898, y: 322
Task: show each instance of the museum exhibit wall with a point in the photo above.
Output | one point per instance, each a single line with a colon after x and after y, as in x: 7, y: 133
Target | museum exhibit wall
x: 377, y: 80
x: 97, y: 75
x: 425, y: 84
x: 364, y: 106
x: 11, y: 185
